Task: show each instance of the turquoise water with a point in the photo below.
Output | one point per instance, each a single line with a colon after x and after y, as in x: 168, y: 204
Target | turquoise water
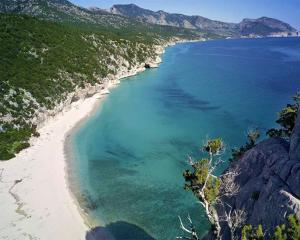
x: 131, y: 154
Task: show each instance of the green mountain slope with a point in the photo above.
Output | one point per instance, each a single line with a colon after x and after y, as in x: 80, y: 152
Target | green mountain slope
x: 62, y: 11
x: 41, y: 62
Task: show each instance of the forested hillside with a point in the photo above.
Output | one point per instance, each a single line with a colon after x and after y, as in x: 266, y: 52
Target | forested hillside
x: 51, y: 48
x: 63, y: 11
x: 42, y: 62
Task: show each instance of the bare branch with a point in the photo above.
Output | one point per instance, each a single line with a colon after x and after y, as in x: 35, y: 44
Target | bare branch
x: 238, y: 217
x: 229, y: 187
x: 204, y: 183
x: 190, y: 161
x: 187, y: 238
x: 235, y: 219
x: 192, y: 230
x: 189, y: 218
x: 182, y: 226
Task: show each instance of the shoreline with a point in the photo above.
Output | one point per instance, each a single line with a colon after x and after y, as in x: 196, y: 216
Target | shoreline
x: 35, y: 192
x: 69, y: 157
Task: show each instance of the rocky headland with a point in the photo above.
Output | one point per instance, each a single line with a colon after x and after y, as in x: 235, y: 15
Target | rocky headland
x: 269, y: 183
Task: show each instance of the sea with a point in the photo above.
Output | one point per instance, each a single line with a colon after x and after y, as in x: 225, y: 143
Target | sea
x: 129, y: 155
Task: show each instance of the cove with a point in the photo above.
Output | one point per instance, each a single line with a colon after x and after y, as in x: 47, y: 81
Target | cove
x: 128, y: 157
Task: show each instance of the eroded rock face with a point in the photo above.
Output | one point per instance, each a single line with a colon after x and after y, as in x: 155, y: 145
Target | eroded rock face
x: 269, y: 182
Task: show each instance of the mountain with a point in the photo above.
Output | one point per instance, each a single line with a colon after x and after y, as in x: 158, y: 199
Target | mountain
x: 61, y: 10
x: 65, y: 12
x: 261, y: 26
x: 169, y: 19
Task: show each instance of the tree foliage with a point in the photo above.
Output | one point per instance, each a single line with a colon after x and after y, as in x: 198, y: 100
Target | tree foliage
x: 201, y: 176
x: 252, y: 136
x: 203, y: 183
x: 286, y: 119
x: 290, y: 231
x: 42, y: 61
x: 197, y: 178
x: 250, y: 233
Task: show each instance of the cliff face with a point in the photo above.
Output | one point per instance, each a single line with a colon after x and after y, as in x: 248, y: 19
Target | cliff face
x: 269, y: 182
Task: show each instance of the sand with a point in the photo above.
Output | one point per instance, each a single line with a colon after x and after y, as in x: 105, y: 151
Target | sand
x: 35, y: 199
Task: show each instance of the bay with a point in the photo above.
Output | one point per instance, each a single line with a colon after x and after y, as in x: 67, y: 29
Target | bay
x: 129, y: 156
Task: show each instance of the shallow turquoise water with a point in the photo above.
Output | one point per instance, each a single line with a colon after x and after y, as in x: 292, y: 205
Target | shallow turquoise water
x: 131, y: 154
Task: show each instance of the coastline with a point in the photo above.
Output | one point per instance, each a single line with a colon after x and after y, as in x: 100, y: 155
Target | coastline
x: 36, y: 198
x: 35, y: 194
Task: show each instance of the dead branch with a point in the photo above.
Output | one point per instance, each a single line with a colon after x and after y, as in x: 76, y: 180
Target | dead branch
x: 229, y: 187
x: 235, y: 219
x: 191, y: 230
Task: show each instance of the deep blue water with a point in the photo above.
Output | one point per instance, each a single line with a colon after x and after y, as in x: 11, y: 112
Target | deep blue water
x: 131, y: 154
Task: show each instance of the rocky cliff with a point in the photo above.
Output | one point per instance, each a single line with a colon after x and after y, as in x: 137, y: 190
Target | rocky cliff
x: 269, y: 181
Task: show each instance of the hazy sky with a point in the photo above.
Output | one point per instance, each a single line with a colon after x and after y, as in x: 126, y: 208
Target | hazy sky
x: 224, y: 10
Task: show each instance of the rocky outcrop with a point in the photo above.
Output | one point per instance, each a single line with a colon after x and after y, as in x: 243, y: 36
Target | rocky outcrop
x: 269, y: 181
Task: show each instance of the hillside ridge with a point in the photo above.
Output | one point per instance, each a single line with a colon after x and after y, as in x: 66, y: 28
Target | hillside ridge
x: 262, y: 26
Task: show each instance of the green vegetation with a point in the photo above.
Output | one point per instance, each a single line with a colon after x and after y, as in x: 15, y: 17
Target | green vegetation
x: 291, y: 231
x: 41, y: 62
x: 286, y: 119
x: 250, y: 233
x: 52, y: 48
x: 198, y: 177
x: 203, y: 183
x: 211, y: 189
x: 252, y: 136
x: 67, y: 13
x: 13, y: 141
x: 201, y: 177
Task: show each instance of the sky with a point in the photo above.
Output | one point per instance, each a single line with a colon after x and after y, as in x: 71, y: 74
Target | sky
x: 223, y: 10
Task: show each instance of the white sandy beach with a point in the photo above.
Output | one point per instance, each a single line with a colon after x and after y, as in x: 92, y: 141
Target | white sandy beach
x: 40, y: 206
